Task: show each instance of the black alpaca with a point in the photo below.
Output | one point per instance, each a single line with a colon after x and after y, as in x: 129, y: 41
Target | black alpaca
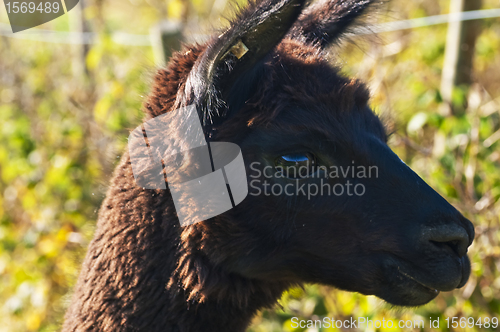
x: 284, y: 105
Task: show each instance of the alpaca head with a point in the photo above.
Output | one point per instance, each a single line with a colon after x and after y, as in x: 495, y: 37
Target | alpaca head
x: 328, y: 201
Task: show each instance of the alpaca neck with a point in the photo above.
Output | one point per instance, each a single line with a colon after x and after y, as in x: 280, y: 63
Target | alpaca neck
x: 129, y: 293
x: 128, y: 280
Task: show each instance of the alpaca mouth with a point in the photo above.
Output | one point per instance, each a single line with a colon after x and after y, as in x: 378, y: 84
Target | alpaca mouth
x: 431, y: 289
x: 449, y: 274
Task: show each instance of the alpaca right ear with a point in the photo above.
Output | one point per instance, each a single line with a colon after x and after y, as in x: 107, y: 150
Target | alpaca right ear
x: 252, y: 36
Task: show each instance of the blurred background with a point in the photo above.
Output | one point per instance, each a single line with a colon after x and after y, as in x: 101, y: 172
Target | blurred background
x: 72, y: 89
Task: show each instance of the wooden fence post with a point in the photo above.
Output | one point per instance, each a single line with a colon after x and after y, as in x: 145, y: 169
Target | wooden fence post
x: 81, y: 26
x: 459, y: 53
x: 166, y: 37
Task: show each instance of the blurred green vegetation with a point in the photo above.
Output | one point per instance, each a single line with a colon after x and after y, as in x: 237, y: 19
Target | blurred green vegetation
x: 63, y: 129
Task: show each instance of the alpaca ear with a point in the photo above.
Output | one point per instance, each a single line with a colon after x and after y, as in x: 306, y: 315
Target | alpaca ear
x: 252, y: 36
x: 325, y: 21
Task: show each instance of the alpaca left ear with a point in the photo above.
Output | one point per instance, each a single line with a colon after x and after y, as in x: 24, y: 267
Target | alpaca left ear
x: 253, y: 35
x: 324, y: 22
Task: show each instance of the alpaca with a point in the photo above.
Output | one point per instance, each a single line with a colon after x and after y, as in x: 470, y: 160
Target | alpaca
x: 265, y: 85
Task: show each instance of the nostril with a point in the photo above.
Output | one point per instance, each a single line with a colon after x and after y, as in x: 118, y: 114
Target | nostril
x: 455, y: 245
x: 453, y: 237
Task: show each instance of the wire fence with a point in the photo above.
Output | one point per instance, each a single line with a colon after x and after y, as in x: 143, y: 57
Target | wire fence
x: 123, y: 38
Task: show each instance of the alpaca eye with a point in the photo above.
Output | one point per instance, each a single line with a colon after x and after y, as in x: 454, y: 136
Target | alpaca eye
x: 296, y: 165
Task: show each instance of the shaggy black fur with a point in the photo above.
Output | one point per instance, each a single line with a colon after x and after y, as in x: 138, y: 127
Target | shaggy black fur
x: 143, y: 272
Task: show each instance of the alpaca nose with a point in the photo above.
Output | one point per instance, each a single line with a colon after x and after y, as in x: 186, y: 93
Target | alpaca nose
x: 451, y: 236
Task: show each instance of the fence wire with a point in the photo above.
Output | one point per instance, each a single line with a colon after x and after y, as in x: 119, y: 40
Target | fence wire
x: 123, y: 38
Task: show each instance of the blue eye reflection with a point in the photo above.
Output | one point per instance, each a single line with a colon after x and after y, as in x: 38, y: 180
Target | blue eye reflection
x: 296, y: 165
x: 296, y: 158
